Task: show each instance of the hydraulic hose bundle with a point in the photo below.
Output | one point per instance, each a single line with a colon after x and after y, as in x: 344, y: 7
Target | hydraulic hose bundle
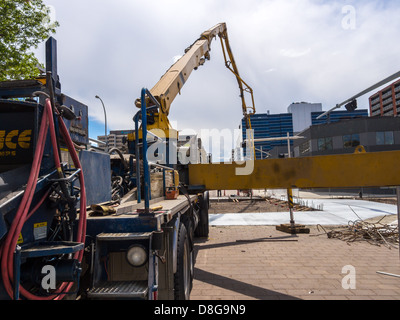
x: 24, y: 213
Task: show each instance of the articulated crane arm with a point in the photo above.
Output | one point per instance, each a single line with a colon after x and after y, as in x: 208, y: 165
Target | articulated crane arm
x: 171, y: 83
x: 243, y: 86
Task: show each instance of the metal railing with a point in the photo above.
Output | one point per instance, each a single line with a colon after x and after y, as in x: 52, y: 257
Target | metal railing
x: 142, y: 115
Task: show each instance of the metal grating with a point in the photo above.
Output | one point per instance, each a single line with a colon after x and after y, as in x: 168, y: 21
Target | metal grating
x: 123, y: 236
x: 120, y: 289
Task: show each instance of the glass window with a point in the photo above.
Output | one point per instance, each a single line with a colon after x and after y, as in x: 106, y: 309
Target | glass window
x: 351, y: 141
x: 380, y: 138
x: 325, y: 144
x: 347, y: 141
x: 321, y: 144
x: 355, y: 140
x: 384, y: 138
x: 389, y: 137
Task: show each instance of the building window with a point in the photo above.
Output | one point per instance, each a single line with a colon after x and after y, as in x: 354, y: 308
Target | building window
x: 325, y: 144
x: 384, y: 138
x: 351, y: 141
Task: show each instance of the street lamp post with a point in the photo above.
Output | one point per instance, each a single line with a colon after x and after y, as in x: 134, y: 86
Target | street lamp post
x: 105, y: 118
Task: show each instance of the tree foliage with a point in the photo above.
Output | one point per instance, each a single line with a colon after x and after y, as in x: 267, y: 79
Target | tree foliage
x: 24, y: 24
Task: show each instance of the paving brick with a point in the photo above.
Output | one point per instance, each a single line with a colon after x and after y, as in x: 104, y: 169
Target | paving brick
x: 361, y: 297
x: 229, y: 268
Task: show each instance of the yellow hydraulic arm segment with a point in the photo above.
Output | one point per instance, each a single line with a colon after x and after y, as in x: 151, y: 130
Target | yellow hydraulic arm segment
x: 378, y: 169
x: 243, y: 86
x: 171, y: 83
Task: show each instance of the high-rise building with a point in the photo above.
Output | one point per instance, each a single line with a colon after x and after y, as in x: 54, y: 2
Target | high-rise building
x: 337, y: 116
x: 386, y: 102
x: 116, y: 139
x: 301, y: 112
x: 268, y: 126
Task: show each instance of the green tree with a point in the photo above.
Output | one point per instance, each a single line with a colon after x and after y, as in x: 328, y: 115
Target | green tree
x: 24, y: 24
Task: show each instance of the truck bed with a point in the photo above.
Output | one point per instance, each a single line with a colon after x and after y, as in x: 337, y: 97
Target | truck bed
x: 170, y: 206
x: 128, y: 219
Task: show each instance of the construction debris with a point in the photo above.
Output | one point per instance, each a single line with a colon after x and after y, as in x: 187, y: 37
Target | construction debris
x: 374, y: 233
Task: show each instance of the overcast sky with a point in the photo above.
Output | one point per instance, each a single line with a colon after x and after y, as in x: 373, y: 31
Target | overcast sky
x: 286, y: 50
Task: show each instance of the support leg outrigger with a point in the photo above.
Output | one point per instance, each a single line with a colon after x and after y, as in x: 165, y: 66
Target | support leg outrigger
x: 292, y: 228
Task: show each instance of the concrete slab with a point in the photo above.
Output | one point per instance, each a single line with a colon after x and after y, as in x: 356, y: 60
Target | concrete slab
x: 335, y: 212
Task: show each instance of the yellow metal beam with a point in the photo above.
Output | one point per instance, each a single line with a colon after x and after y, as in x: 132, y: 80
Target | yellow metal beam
x: 380, y: 169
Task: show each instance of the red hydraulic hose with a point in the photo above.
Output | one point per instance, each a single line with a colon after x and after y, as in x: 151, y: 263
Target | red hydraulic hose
x: 7, y: 250
x: 10, y: 241
x: 82, y: 216
x: 38, y: 205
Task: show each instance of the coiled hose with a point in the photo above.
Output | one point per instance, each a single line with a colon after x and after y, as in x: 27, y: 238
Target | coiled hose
x: 23, y: 213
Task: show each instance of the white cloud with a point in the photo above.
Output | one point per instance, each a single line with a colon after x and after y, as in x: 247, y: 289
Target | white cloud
x: 285, y: 50
x: 293, y: 53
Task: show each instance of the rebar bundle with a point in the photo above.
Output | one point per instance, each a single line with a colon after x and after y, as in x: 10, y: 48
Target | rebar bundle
x: 374, y: 233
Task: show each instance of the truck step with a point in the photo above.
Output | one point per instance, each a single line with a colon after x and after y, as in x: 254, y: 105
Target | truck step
x: 49, y: 248
x: 120, y: 289
x: 123, y: 236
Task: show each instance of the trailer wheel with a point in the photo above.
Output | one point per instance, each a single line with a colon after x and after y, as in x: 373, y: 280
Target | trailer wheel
x: 190, y: 234
x: 202, y: 229
x: 182, y: 277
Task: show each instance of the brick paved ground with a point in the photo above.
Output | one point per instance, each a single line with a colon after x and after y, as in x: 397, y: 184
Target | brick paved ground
x: 308, y: 268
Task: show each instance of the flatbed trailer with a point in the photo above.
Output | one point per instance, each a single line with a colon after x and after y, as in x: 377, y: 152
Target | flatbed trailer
x: 66, y: 220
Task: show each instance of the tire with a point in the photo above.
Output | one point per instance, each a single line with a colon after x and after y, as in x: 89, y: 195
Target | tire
x: 189, y: 225
x: 202, y: 229
x: 182, y: 277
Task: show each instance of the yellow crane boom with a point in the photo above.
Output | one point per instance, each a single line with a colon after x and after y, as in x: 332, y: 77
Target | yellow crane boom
x: 171, y: 83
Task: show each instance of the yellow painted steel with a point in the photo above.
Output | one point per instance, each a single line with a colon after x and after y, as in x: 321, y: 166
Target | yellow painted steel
x: 172, y: 82
x: 380, y: 169
x: 243, y: 86
x: 42, y: 80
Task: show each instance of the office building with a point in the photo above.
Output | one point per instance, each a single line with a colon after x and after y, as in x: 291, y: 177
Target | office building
x: 300, y: 116
x: 268, y: 126
x: 337, y: 116
x: 116, y: 139
x: 386, y: 102
x: 301, y: 112
x: 374, y: 134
